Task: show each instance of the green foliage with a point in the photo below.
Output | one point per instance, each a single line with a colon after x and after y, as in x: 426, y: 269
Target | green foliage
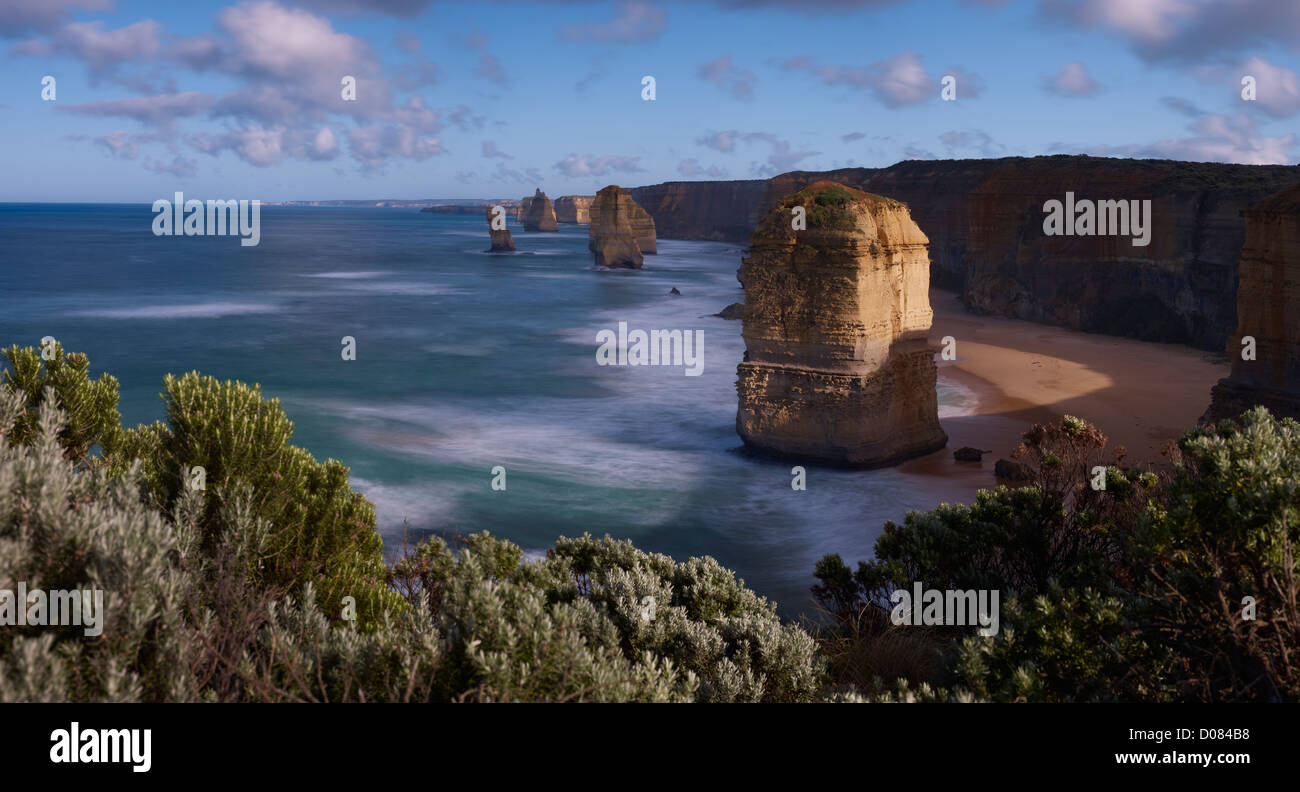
x: 90, y: 405
x: 321, y: 532
x: 598, y: 619
x: 1134, y: 592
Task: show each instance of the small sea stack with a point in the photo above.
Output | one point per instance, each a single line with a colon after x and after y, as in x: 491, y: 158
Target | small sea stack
x: 502, y: 240
x: 541, y: 214
x: 1265, y: 350
x: 838, y: 369
x: 619, y: 234
x: 574, y: 209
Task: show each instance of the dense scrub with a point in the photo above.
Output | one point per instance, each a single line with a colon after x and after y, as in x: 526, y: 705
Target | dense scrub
x: 1173, y: 587
x: 262, y: 579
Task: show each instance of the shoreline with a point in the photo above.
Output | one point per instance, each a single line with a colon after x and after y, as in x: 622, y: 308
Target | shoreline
x: 1140, y: 394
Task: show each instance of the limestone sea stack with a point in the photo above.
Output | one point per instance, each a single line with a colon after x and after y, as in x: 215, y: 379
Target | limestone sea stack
x: 838, y: 369
x: 574, y: 209
x: 502, y: 239
x: 613, y: 235
x: 640, y: 222
x: 1268, y: 310
x: 541, y: 214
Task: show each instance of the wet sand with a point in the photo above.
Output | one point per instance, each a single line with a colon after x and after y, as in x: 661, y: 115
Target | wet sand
x: 1140, y: 394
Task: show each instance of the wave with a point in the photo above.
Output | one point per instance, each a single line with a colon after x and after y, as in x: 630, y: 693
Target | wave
x: 210, y: 310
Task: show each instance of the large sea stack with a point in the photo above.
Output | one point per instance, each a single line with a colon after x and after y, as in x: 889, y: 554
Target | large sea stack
x: 639, y: 221
x: 502, y: 239
x: 1268, y: 310
x: 838, y: 369
x: 574, y: 209
x: 620, y: 230
x: 541, y: 214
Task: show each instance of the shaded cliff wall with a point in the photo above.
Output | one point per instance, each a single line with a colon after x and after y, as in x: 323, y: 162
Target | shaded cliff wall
x: 984, y: 220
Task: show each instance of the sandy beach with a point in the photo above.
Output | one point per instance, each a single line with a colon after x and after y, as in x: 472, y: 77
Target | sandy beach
x: 1140, y: 394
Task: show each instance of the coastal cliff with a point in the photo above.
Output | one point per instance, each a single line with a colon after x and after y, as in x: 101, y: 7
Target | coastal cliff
x: 574, y: 209
x: 1268, y: 307
x: 837, y: 368
x: 984, y: 219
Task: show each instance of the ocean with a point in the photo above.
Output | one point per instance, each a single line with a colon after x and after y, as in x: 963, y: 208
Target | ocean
x: 465, y: 361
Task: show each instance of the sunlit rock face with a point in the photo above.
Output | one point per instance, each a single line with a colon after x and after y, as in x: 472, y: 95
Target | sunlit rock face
x: 620, y: 231
x: 1268, y: 311
x: 574, y: 209
x: 540, y: 215
x: 837, y: 367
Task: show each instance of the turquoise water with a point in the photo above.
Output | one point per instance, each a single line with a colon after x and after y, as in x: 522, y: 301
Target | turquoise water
x: 465, y: 361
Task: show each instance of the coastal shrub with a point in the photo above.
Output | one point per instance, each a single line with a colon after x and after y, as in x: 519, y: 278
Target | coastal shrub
x: 89, y: 405
x: 598, y: 619
x: 1220, y: 577
x: 321, y: 531
x: 64, y: 529
x: 1135, y: 592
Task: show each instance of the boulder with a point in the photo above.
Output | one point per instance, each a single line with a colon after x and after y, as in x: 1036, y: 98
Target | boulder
x: 969, y: 454
x: 837, y: 368
x: 1013, y: 472
x: 732, y: 311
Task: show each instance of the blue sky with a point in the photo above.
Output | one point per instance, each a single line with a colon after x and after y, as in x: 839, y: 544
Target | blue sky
x: 493, y: 99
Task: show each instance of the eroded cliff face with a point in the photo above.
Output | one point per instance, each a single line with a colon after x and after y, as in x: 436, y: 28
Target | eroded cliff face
x: 541, y: 214
x: 1268, y: 310
x: 574, y: 209
x: 613, y: 235
x: 837, y: 367
x: 984, y: 221
x: 522, y: 211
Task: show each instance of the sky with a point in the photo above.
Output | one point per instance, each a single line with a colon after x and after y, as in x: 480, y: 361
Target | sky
x: 494, y: 99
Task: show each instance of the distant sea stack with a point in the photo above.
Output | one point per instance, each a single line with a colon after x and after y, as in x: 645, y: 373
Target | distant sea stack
x: 522, y: 211
x: 541, y: 214
x: 620, y: 231
x: 1268, y: 310
x: 574, y: 209
x: 838, y: 369
x: 502, y: 239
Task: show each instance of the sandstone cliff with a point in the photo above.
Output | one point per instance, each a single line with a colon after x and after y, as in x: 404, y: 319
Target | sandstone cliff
x: 540, y: 215
x: 502, y: 239
x: 837, y: 367
x: 1268, y: 310
x: 574, y: 209
x: 984, y: 221
x: 612, y: 236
